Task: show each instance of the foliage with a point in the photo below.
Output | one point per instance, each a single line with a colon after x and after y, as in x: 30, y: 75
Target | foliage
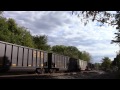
x: 106, y: 63
x: 71, y: 51
x: 97, y: 66
x: 40, y: 42
x: 86, y: 56
x: 103, y: 17
x: 100, y: 16
x: 11, y: 32
x: 116, y: 61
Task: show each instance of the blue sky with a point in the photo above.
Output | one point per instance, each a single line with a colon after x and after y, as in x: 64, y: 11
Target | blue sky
x: 63, y: 28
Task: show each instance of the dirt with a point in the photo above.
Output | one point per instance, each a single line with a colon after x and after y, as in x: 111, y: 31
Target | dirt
x: 78, y: 75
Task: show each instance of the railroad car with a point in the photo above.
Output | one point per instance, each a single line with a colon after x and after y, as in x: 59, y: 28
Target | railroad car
x: 57, y: 62
x: 19, y: 58
x: 73, y: 65
x: 82, y: 64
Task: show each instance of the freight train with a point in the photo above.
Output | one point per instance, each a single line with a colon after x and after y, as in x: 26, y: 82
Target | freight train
x: 16, y: 58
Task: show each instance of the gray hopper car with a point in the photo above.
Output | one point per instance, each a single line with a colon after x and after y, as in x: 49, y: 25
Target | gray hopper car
x: 57, y: 62
x: 16, y: 58
x: 19, y: 58
x: 82, y: 64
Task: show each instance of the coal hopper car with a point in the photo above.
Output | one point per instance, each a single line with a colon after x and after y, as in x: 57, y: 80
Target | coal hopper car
x: 20, y: 58
x: 57, y: 62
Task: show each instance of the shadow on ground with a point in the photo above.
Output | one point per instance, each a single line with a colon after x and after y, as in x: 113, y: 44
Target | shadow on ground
x: 84, y: 75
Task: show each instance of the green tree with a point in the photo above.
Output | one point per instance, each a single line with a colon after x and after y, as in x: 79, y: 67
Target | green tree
x: 25, y: 38
x: 40, y: 42
x: 60, y: 49
x: 71, y: 51
x: 99, y: 16
x: 19, y: 35
x: 112, y: 19
x: 12, y: 27
x: 4, y: 32
x: 11, y: 32
x: 97, y: 66
x: 116, y: 61
x: 106, y: 63
x: 86, y: 56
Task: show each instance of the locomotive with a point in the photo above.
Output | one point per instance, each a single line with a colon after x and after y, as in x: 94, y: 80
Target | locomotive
x: 17, y: 58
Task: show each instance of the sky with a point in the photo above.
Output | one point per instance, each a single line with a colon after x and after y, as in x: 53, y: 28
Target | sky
x: 63, y: 28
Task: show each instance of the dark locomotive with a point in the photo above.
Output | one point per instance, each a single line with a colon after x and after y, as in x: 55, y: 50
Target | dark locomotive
x: 15, y: 58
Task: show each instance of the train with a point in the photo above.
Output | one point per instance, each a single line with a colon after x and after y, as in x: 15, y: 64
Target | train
x: 17, y: 58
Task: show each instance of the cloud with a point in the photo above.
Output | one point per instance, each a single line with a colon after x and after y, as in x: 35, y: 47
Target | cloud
x: 63, y: 28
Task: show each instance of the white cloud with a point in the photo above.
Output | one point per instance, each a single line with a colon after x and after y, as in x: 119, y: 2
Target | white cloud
x: 61, y: 27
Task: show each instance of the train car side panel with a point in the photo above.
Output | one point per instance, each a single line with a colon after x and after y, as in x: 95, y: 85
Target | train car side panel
x: 34, y: 58
x: 30, y: 58
x: 2, y: 51
x: 25, y: 58
x: 42, y: 58
x: 45, y: 60
x: 20, y: 57
x: 14, y: 56
x: 8, y: 54
x: 38, y: 59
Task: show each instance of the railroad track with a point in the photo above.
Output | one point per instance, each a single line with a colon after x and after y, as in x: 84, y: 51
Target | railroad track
x: 41, y: 76
x: 37, y: 75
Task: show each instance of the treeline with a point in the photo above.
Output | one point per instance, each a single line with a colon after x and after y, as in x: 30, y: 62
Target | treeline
x: 108, y: 64
x: 71, y: 51
x: 11, y: 32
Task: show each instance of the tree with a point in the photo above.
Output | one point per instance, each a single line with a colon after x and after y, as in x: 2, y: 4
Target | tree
x: 12, y: 33
x: 40, y: 42
x: 24, y: 37
x: 116, y: 61
x: 12, y: 27
x: 4, y: 32
x: 106, y: 63
x: 102, y: 17
x: 60, y: 49
x: 19, y: 35
x: 71, y: 51
x: 97, y: 66
x: 86, y: 56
